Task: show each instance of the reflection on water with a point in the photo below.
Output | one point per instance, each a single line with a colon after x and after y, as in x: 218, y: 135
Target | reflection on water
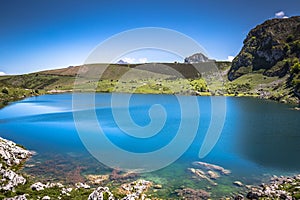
x: 259, y: 138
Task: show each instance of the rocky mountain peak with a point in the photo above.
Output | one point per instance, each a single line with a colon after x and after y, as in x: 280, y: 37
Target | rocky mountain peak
x: 196, y: 58
x: 266, y: 45
x: 122, y: 62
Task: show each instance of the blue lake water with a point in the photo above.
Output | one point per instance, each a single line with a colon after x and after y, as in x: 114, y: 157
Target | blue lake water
x: 259, y: 138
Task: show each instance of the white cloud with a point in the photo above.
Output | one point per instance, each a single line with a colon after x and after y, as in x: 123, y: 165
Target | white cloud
x: 143, y: 60
x: 230, y: 58
x: 2, y: 73
x: 134, y: 60
x: 280, y: 14
x: 128, y: 60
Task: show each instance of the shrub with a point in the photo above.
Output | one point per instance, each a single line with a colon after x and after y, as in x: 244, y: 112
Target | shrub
x: 295, y: 69
x: 290, y: 38
x: 199, y: 85
x: 5, y: 91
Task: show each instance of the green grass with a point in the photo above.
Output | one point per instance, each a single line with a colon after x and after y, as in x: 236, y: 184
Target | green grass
x: 155, y: 79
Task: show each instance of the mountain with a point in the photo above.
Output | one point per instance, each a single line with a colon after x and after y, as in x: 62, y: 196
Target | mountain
x: 122, y: 62
x: 273, y: 50
x: 196, y: 58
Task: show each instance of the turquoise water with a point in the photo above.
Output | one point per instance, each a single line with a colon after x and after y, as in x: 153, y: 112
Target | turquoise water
x: 259, y: 138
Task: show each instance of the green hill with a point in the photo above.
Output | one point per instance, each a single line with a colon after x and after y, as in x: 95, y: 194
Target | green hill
x: 269, y: 60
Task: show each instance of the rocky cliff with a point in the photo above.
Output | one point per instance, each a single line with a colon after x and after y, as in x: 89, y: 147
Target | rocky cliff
x: 273, y: 49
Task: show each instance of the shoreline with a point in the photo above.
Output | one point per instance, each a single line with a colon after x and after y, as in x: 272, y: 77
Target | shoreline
x: 292, y: 103
x: 20, y: 186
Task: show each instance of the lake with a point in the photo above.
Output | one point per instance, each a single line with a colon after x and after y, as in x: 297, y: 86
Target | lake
x: 259, y: 139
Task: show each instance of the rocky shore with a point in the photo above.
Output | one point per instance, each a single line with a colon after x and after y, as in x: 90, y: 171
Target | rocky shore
x: 16, y: 186
x: 12, y: 157
x: 279, y: 188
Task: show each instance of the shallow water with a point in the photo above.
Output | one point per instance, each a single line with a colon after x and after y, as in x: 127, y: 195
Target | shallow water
x: 259, y: 138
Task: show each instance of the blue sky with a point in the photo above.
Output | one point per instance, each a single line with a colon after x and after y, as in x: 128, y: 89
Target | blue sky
x: 45, y: 34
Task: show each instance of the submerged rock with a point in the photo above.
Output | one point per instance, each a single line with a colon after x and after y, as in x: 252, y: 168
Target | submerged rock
x: 191, y: 194
x: 238, y: 183
x: 202, y: 175
x: 97, y: 179
x: 158, y: 186
x: 213, y: 175
x: 208, y: 166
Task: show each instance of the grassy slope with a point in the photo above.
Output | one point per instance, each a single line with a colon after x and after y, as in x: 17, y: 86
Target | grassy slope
x: 156, y: 79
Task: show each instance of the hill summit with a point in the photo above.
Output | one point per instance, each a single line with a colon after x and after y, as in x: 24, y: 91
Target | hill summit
x: 196, y: 58
x: 273, y: 49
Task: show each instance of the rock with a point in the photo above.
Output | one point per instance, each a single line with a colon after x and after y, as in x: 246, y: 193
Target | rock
x: 97, y: 179
x: 276, y: 189
x: 200, y: 174
x: 196, y: 58
x: 252, y: 195
x: 82, y: 185
x: 208, y: 166
x: 46, y: 198
x: 99, y: 193
x: 122, y: 62
x: 134, y: 190
x: 11, y: 153
x: 264, y: 47
x: 19, y: 197
x: 189, y: 193
x: 10, y: 179
x: 238, y: 183
x: 158, y: 186
x: 239, y: 197
x: 115, y: 175
x: 213, y: 175
x: 269, y: 49
x: 66, y: 191
x: 38, y: 186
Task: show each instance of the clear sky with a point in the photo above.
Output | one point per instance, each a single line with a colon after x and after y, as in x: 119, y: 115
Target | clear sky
x: 45, y: 34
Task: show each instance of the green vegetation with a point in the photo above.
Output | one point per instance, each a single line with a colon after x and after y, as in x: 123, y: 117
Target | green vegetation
x: 10, y: 94
x: 295, y: 76
x: 272, y: 49
x: 199, y: 85
x: 131, y: 79
x: 53, y: 193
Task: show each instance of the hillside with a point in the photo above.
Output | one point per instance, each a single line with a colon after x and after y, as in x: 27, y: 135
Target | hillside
x: 159, y: 80
x: 269, y: 60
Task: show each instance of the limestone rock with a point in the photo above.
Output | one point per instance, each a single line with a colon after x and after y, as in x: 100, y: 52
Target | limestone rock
x: 19, y: 197
x: 99, y: 192
x: 38, y: 186
x: 196, y: 58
